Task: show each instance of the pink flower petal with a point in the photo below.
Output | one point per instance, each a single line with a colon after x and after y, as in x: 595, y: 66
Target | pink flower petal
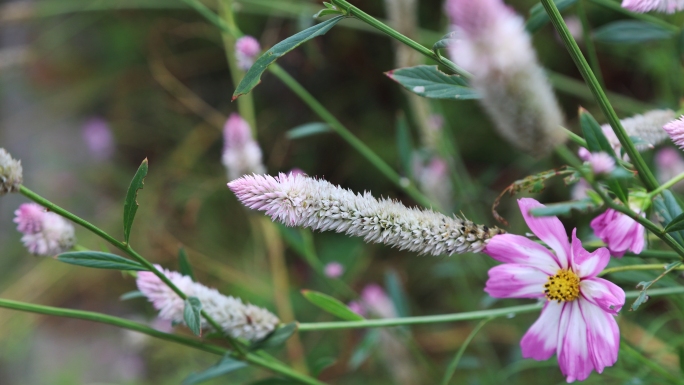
x: 511, y: 248
x: 584, y: 263
x: 574, y: 358
x: 541, y: 340
x: 604, y: 294
x: 548, y: 229
x: 603, y: 335
x: 516, y: 281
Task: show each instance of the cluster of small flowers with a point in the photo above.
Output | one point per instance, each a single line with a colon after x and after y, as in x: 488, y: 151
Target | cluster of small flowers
x: 246, y: 50
x: 11, y: 173
x: 45, y: 233
x: 236, y: 318
x: 642, y: 6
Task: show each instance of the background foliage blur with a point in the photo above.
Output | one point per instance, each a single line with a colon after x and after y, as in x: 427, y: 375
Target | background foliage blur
x: 156, y: 73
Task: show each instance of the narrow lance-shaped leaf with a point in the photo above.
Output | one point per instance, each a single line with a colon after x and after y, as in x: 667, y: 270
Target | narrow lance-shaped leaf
x: 277, y: 338
x: 430, y: 82
x: 331, y: 305
x: 132, y: 295
x: 253, y: 76
x: 631, y: 32
x: 444, y: 42
x: 131, y: 204
x: 99, y: 260
x: 668, y: 209
x: 223, y: 367
x: 676, y: 224
x: 308, y: 129
x: 564, y: 208
x: 192, y: 315
x: 184, y: 264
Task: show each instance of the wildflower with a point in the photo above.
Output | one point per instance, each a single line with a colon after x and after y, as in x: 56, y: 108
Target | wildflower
x: 357, y: 308
x: 669, y: 165
x: 620, y: 232
x: 648, y: 127
x: 298, y: 200
x: 45, y: 233
x: 643, y: 6
x: 377, y: 301
x: 247, y: 49
x: 236, y: 318
x: 675, y: 129
x: 433, y: 179
x: 493, y: 45
x: 333, y: 270
x: 11, y: 174
x: 241, y: 154
x: 98, y: 138
x: 600, y: 162
x: 577, y: 321
x: 579, y: 190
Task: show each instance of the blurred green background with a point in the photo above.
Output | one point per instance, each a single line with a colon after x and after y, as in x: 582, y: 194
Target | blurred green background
x: 156, y: 72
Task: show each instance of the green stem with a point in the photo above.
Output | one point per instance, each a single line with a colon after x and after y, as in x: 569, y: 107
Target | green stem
x: 141, y: 328
x: 664, y: 254
x: 618, y: 269
x: 666, y: 186
x: 468, y: 316
x: 128, y: 250
x: 589, y: 42
x: 639, y: 16
x: 648, y: 362
x: 370, y: 20
x: 645, y: 173
x: 575, y: 138
x: 451, y: 369
x: 355, y: 142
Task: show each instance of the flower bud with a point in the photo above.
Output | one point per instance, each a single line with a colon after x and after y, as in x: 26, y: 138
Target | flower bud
x: 11, y: 173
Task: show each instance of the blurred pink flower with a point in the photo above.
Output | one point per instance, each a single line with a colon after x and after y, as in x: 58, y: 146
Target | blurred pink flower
x: 297, y: 171
x: 669, y: 164
x: 333, y: 270
x: 247, y: 49
x: 676, y: 131
x: 98, y: 138
x: 642, y: 6
x: 620, y: 232
x: 45, y: 233
x: 376, y: 301
x: 600, y: 162
x: 579, y: 190
x: 241, y: 153
x: 357, y: 308
x: 433, y: 179
x: 577, y: 322
x: 29, y: 218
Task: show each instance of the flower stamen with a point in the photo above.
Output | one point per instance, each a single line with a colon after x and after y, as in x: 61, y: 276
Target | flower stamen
x: 564, y: 286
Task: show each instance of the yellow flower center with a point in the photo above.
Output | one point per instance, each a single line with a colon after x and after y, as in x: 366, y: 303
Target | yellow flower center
x: 564, y: 286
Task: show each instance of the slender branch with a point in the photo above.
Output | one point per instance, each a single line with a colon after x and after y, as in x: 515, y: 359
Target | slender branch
x: 649, y: 362
x: 589, y: 42
x: 618, y: 269
x: 575, y: 138
x: 451, y: 369
x: 645, y: 173
x: 666, y: 185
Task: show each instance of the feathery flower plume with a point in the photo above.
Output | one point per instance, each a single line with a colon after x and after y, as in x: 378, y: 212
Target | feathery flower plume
x: 600, y: 162
x: 577, y: 322
x: 333, y: 270
x: 247, y: 49
x: 45, y: 233
x: 669, y: 164
x: 298, y: 200
x: 241, y: 153
x: 98, y: 138
x: 11, y: 173
x: 493, y: 45
x: 675, y: 129
x: 236, y: 318
x: 643, y: 6
x: 648, y: 127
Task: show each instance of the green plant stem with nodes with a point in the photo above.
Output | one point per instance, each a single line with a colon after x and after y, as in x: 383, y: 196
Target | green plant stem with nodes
x: 126, y: 248
x: 468, y: 316
x: 666, y: 185
x: 570, y: 158
x: 451, y: 369
x: 370, y: 20
x: 141, y: 328
x: 645, y: 173
x: 610, y: 4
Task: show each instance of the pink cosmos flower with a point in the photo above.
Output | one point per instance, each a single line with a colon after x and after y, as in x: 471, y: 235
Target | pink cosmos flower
x: 246, y: 50
x: 600, y: 162
x: 676, y: 131
x: 620, y: 232
x: 577, y: 322
x: 642, y: 6
x: 333, y: 270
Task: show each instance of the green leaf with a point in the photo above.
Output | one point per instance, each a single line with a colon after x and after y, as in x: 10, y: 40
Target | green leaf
x: 99, y: 260
x: 404, y: 146
x: 184, y: 264
x: 326, y: 12
x: 131, y: 204
x: 253, y: 76
x: 132, y: 295
x: 538, y: 17
x: 444, y: 42
x: 681, y: 359
x: 321, y: 364
x: 668, y: 209
x: 396, y: 293
x: 223, y: 367
x: 676, y: 224
x: 631, y: 32
x: 365, y: 348
x: 275, y: 381
x: 307, y: 130
x: 430, y: 82
x: 642, y: 298
x: 276, y: 338
x: 563, y: 208
x: 331, y: 305
x: 192, y: 315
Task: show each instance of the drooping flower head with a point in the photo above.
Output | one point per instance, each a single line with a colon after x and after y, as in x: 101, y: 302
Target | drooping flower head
x: 11, y: 173
x: 298, y: 200
x: 333, y: 270
x: 643, y: 6
x: 601, y: 163
x: 620, y: 232
x: 236, y: 318
x: 669, y: 164
x: 675, y: 129
x: 492, y: 44
x: 45, y: 233
x: 648, y: 127
x: 98, y: 138
x: 241, y: 153
x: 247, y: 49
x: 577, y: 322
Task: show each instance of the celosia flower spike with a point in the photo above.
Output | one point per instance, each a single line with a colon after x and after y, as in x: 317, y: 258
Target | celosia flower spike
x: 11, y: 173
x: 675, y: 129
x: 45, y: 233
x: 246, y: 50
x: 577, y: 322
x: 236, y: 318
x: 298, y: 200
x: 643, y: 6
x: 492, y: 44
x: 241, y: 153
x: 648, y: 127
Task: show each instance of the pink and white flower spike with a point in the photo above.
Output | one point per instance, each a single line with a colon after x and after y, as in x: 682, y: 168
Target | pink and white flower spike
x: 577, y: 322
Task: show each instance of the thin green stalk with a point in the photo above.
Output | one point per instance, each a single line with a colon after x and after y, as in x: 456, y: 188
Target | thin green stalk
x: 645, y: 173
x: 451, y: 369
x: 624, y: 346
x: 639, y: 16
x: 370, y: 20
x: 355, y: 142
x: 618, y: 269
x: 666, y: 185
x: 589, y: 42
x: 128, y: 250
x: 575, y: 138
x: 468, y: 316
x: 664, y: 254
x: 141, y: 328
